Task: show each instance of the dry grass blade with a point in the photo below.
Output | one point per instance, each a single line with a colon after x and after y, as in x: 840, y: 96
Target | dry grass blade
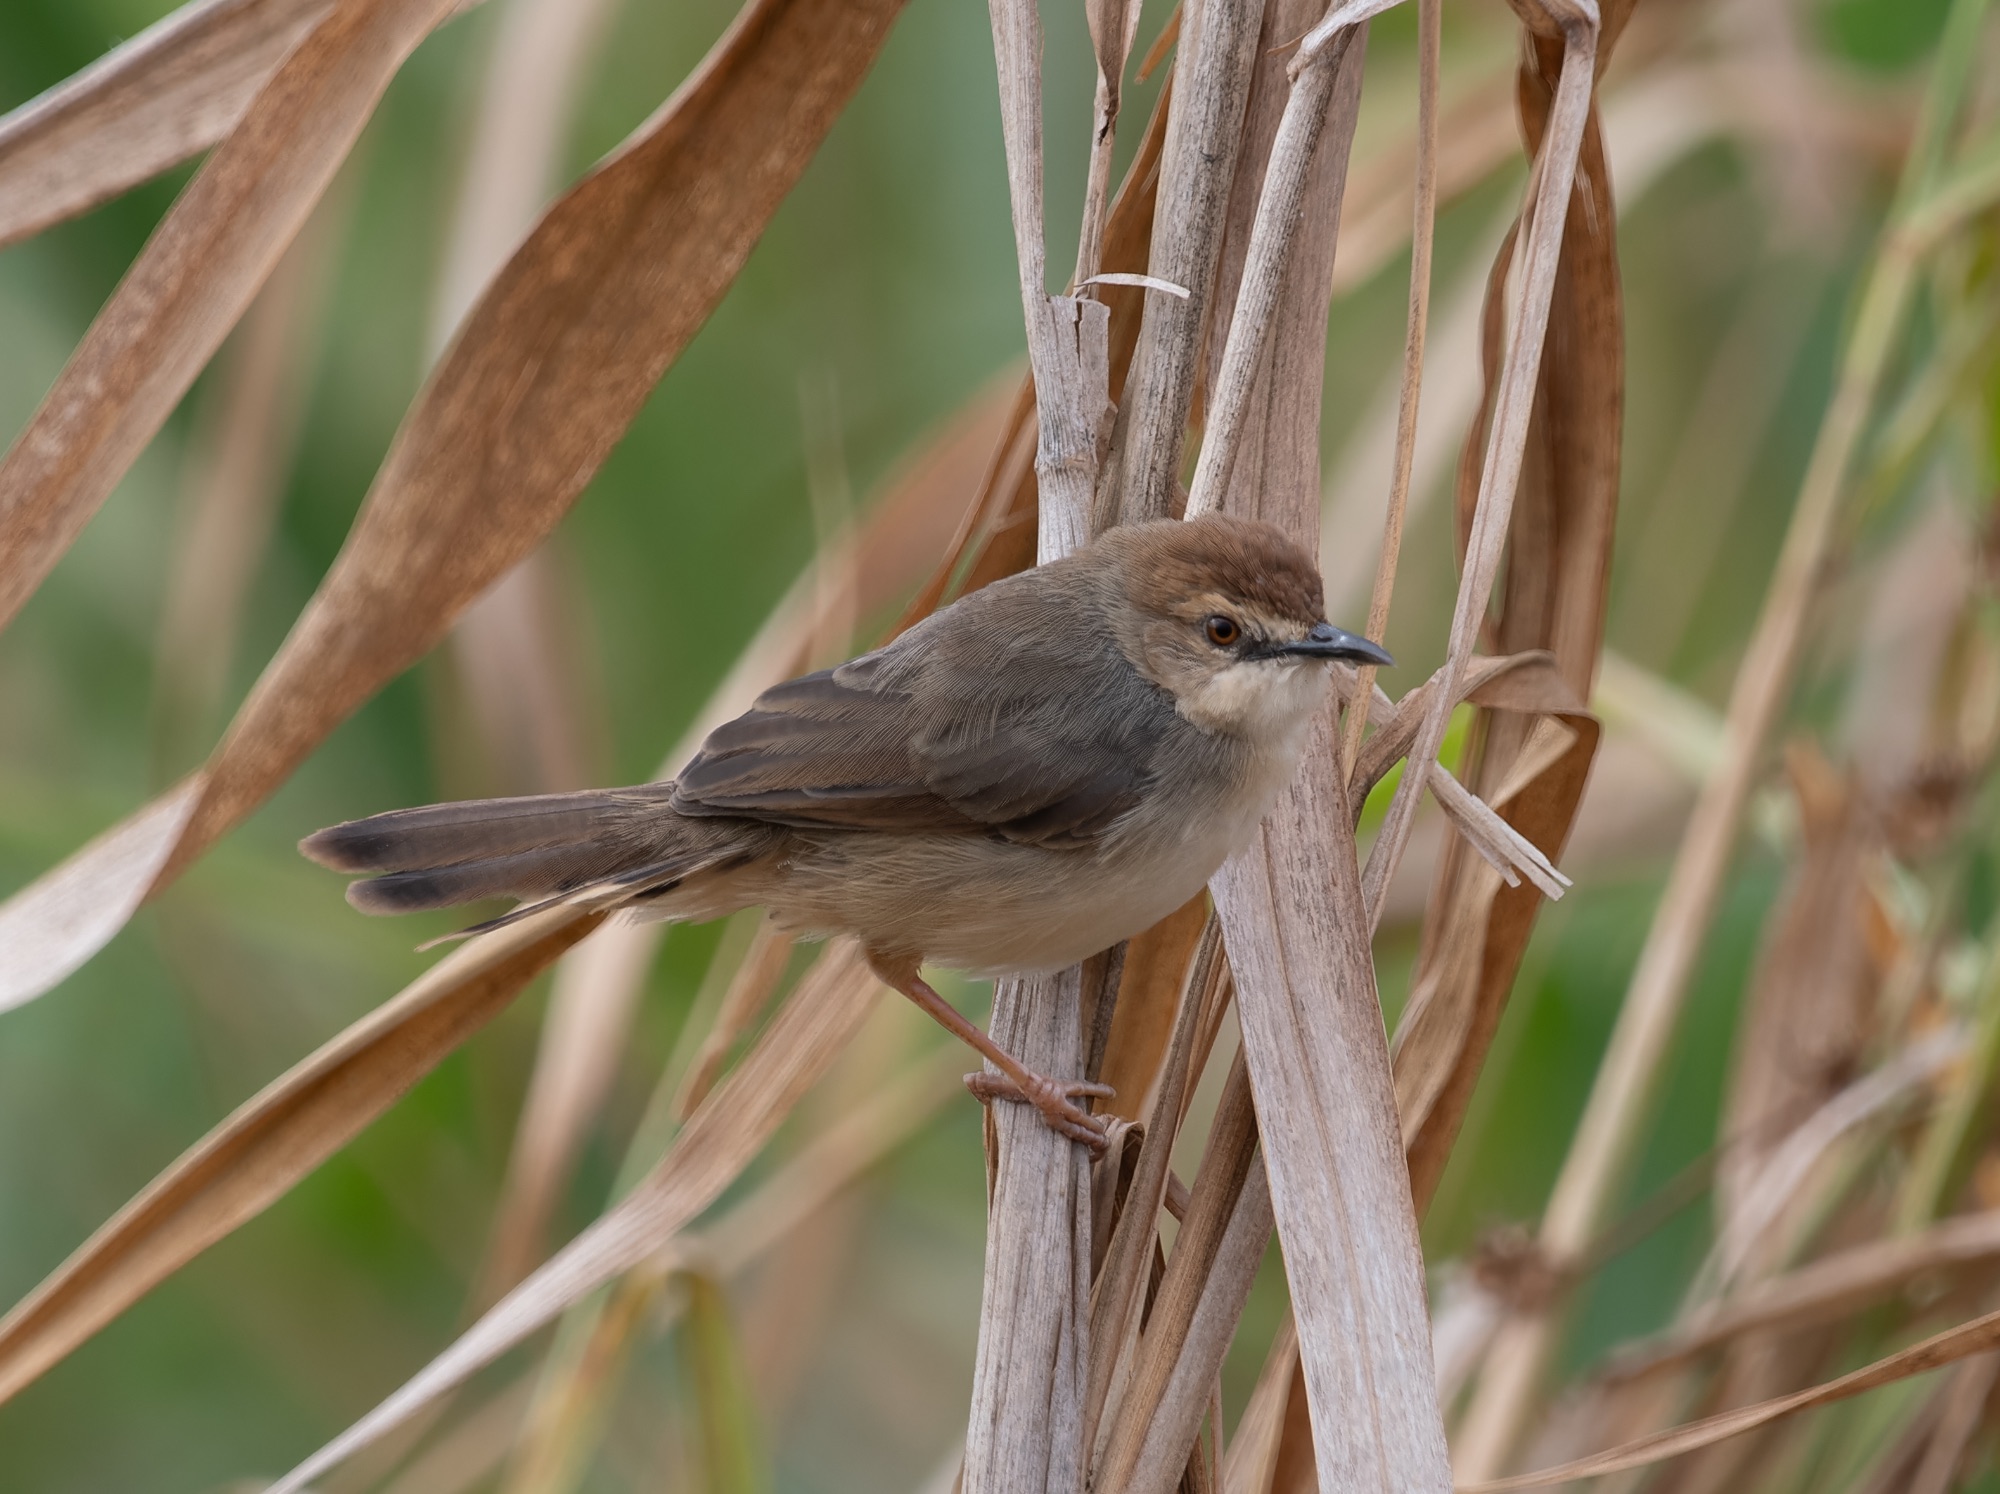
x: 1976, y: 1337
x: 543, y: 379
x: 1831, y: 1287
x: 275, y: 1138
x: 170, y: 92
x: 192, y: 281
x: 717, y: 1143
x: 1253, y: 1451
x: 48, y: 929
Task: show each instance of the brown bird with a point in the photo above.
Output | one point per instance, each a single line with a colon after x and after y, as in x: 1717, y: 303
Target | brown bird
x: 1049, y: 765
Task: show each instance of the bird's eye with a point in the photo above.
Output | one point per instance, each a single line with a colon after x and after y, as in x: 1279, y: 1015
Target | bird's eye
x: 1222, y: 631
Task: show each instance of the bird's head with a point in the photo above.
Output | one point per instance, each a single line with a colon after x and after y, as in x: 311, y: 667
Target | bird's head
x: 1228, y: 615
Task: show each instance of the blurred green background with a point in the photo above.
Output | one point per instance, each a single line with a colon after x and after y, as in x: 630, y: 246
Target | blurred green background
x: 886, y: 290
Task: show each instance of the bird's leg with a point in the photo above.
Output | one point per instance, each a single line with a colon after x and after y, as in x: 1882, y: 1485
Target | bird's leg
x: 1054, y: 1098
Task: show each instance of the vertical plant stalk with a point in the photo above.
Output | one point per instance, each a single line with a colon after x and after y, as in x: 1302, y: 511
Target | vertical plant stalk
x: 1501, y: 476
x: 1025, y: 1431
x: 1430, y: 24
x: 1291, y: 905
x: 1621, y: 1095
x: 1218, y: 49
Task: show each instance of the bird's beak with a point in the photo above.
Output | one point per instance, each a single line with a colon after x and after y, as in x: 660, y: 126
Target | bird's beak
x: 1326, y: 641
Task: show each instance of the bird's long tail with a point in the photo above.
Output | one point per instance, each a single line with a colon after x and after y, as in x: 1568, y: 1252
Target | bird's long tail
x: 537, y: 848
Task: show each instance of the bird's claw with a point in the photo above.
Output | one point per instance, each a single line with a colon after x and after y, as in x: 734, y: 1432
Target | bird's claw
x: 1055, y: 1099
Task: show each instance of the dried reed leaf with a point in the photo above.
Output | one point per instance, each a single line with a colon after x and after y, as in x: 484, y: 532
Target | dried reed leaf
x: 1834, y: 1286
x: 1116, y: 1295
x: 275, y: 1138
x: 52, y: 926
x: 1155, y: 1424
x: 196, y: 275
x: 150, y: 103
x: 1474, y: 943
x: 542, y: 380
x: 1156, y: 969
x: 1976, y: 1337
x: 718, y: 1142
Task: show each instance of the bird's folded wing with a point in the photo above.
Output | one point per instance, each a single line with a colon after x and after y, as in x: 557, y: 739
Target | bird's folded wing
x: 999, y: 729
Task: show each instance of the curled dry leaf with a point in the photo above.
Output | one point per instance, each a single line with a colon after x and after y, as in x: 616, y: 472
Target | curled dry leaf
x: 1553, y: 598
x: 169, y: 93
x: 192, y: 281
x: 718, y: 1142
x: 275, y: 1138
x: 51, y: 927
x: 547, y: 372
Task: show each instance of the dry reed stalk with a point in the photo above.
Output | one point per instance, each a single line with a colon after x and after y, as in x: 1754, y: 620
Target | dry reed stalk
x: 1025, y: 1428
x: 1216, y: 54
x: 273, y: 1139
x: 723, y: 1136
x: 1155, y: 1423
x: 150, y: 103
x: 1117, y: 1289
x: 540, y: 383
x: 1430, y: 22
x: 1620, y: 1096
x: 197, y: 274
x: 1338, y: 1185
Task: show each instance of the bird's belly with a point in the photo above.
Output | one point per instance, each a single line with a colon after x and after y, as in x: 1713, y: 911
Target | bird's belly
x: 991, y: 908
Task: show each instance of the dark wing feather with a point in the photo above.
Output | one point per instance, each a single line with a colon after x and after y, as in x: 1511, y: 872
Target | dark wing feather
x: 1010, y: 713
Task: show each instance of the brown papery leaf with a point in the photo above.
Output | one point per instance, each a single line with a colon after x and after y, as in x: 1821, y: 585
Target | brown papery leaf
x: 51, y: 927
x: 275, y: 1138
x: 192, y: 281
x: 169, y: 93
x: 548, y: 371
x: 1552, y: 597
x: 718, y: 1142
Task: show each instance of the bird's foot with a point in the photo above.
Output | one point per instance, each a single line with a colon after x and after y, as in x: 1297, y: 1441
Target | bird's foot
x: 1055, y: 1099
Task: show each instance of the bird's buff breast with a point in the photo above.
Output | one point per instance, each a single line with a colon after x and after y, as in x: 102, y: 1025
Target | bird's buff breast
x: 992, y: 907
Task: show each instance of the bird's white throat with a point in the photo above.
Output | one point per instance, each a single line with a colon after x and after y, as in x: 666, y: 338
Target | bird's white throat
x: 1267, y: 701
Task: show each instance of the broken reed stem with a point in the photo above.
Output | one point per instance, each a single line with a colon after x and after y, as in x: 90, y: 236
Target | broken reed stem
x: 1555, y: 176
x: 1430, y: 23
x: 1622, y: 1093
x: 1113, y: 24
